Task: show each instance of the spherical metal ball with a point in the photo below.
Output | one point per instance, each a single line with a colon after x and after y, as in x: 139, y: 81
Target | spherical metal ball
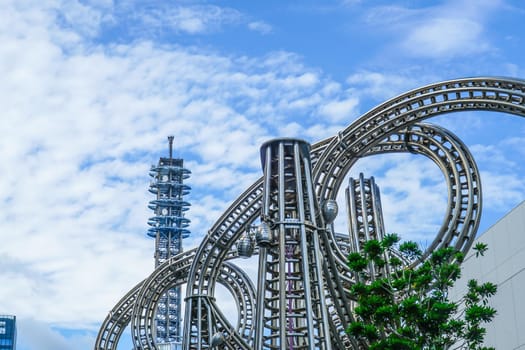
x: 330, y: 210
x: 217, y: 339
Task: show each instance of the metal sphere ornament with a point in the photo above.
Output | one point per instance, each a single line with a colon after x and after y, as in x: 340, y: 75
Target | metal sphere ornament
x: 330, y: 210
x: 217, y: 339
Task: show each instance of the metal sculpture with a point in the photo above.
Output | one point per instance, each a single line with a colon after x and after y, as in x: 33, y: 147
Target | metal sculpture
x: 296, y: 244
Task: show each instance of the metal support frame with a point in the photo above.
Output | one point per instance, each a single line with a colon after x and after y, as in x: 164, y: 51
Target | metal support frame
x: 394, y: 126
x: 293, y: 314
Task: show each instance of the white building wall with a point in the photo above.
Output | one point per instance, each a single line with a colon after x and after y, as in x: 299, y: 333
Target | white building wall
x: 503, y: 264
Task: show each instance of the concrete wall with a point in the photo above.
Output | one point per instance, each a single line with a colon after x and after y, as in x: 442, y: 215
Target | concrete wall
x: 503, y: 264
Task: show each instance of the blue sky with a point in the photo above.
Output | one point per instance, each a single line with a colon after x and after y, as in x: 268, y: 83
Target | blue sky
x: 91, y: 89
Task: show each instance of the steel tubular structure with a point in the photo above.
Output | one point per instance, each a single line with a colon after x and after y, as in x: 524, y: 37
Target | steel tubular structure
x: 291, y: 307
x: 364, y: 211
x: 317, y: 260
x: 231, y: 276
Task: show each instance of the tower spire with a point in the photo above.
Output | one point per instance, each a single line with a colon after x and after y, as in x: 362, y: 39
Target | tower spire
x: 170, y: 140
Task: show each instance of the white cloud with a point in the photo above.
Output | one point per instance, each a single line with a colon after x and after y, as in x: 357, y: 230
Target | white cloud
x: 86, y: 19
x: 516, y: 143
x: 444, y: 31
x: 154, y: 18
x: 390, y: 15
x: 80, y: 127
x: 261, y: 27
x: 340, y: 110
x: 502, y: 189
x: 494, y: 156
x: 198, y: 19
x: 446, y: 37
x: 413, y: 194
x: 382, y: 86
x: 82, y: 121
x: 39, y: 335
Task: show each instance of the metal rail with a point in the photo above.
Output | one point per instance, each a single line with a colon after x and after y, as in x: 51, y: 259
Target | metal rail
x: 393, y: 126
x: 231, y: 276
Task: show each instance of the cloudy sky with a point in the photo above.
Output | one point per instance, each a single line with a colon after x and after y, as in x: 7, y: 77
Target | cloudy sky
x: 90, y: 90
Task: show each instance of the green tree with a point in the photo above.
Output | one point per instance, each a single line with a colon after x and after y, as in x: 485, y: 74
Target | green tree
x: 402, y: 302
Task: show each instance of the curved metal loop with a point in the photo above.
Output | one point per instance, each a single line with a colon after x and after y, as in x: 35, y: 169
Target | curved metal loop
x: 460, y: 172
x: 390, y: 127
x: 231, y: 276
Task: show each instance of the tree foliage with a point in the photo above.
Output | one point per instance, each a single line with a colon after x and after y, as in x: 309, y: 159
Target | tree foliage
x: 402, y: 300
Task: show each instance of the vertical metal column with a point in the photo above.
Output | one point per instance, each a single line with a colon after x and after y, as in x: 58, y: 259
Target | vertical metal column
x: 364, y: 210
x: 168, y: 227
x: 365, y: 215
x: 291, y: 309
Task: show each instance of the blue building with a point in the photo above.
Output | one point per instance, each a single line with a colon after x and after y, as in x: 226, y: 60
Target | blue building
x: 7, y: 332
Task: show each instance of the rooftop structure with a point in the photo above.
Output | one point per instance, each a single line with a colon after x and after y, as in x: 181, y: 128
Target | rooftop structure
x: 7, y: 332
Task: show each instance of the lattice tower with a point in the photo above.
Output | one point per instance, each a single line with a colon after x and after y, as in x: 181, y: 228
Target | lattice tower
x: 168, y: 227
